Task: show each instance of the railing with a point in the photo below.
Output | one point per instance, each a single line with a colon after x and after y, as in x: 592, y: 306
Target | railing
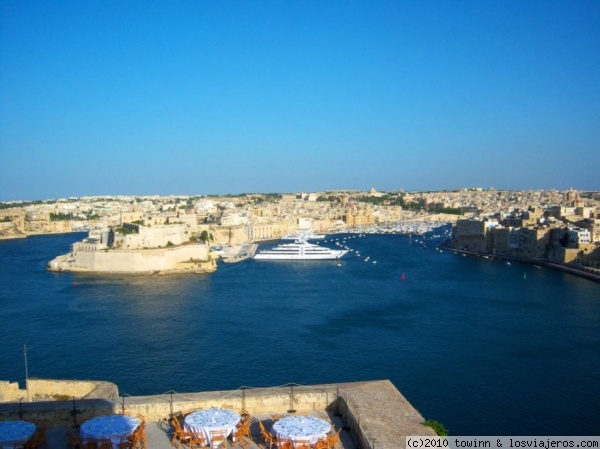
x: 245, y: 397
x: 288, y: 398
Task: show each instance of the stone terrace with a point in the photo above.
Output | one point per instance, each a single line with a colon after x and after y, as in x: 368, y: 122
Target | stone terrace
x: 373, y: 415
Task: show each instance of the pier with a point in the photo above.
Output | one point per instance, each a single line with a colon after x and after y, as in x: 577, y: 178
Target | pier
x: 238, y: 253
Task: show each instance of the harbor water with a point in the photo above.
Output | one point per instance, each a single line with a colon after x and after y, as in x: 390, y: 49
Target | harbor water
x: 483, y: 347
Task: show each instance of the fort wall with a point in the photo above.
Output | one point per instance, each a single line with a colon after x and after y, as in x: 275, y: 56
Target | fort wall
x: 40, y: 389
x: 192, y: 257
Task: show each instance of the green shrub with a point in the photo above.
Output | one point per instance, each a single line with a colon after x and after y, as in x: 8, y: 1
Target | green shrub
x: 437, y: 427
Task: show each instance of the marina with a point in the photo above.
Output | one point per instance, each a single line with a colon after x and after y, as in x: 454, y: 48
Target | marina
x: 405, y: 227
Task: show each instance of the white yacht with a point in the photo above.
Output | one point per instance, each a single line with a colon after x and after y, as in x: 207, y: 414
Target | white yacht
x: 300, y: 250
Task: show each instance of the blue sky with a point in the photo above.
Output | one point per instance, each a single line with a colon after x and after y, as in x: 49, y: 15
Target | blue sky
x: 186, y: 97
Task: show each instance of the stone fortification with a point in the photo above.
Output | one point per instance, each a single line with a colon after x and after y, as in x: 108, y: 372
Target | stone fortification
x: 190, y: 258
x: 48, y: 389
x: 9, y: 391
x: 137, y: 249
x: 152, y: 237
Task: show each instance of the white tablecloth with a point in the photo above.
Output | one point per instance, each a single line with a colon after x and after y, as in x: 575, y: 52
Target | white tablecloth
x: 301, y: 428
x: 14, y: 433
x: 203, y: 421
x: 113, y: 427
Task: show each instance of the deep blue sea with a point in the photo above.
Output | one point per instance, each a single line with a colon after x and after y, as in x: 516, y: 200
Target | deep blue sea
x: 483, y: 347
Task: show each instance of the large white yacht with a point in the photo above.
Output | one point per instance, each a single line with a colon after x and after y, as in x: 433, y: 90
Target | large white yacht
x: 300, y: 250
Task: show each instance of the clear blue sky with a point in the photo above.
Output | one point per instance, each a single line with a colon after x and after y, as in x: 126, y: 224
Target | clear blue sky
x: 194, y: 97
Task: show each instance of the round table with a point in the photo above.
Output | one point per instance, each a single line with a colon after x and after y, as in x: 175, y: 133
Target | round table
x: 301, y: 428
x: 15, y: 433
x: 214, y: 418
x: 113, y: 427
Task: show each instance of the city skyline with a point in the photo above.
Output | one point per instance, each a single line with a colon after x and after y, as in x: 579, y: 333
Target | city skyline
x: 106, y: 98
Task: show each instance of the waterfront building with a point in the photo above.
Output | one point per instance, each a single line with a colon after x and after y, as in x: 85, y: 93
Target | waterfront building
x: 473, y: 234
x: 267, y: 231
x: 532, y: 243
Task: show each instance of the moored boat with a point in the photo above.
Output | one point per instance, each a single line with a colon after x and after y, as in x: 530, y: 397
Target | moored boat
x: 300, y: 250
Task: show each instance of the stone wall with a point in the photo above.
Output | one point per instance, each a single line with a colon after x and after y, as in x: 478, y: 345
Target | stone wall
x: 228, y: 235
x: 48, y: 227
x: 9, y: 391
x: 160, y: 407
x: 153, y: 237
x: 50, y: 389
x: 43, y: 388
x: 120, y: 261
x: 256, y: 401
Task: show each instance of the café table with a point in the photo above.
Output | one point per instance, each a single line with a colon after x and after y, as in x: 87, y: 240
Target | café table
x: 15, y: 433
x: 202, y: 422
x: 112, y: 427
x: 297, y: 428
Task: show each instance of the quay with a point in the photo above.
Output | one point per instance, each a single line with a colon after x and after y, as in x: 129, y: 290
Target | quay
x: 371, y: 415
x: 585, y: 272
